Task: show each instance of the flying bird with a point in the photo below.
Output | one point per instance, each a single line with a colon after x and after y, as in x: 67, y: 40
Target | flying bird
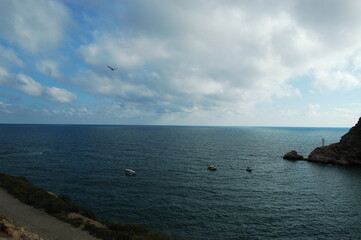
x: 111, y: 68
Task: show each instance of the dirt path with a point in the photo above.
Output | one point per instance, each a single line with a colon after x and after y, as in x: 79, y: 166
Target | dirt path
x: 37, y: 221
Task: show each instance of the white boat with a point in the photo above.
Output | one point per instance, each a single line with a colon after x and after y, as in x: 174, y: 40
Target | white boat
x: 211, y: 167
x: 129, y: 172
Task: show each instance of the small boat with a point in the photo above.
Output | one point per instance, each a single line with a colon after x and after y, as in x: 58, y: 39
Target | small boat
x: 129, y: 172
x: 248, y: 169
x: 213, y: 168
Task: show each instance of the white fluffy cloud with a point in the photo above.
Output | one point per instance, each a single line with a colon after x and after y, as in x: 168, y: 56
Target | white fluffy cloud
x: 111, y: 86
x: 227, y: 55
x: 334, y: 80
x: 59, y: 94
x: 122, y: 50
x: 185, y: 59
x: 26, y: 84
x: 34, y: 25
x: 31, y: 87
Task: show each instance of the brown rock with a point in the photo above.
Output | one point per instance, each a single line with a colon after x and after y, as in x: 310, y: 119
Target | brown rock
x: 345, y: 152
x: 293, y: 155
x: 10, y: 231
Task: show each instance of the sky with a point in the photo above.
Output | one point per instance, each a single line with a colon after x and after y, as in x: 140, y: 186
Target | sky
x: 189, y: 62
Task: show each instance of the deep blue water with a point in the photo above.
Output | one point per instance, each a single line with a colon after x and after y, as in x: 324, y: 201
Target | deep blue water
x: 173, y: 191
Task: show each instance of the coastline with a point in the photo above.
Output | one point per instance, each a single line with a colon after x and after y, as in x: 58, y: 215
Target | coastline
x: 54, y: 217
x: 38, y: 221
x: 346, y: 152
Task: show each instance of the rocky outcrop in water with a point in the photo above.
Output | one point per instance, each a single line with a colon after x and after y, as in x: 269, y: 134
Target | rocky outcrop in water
x: 345, y: 152
x: 293, y: 155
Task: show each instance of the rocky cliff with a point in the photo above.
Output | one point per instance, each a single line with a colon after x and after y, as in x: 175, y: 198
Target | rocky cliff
x: 345, y: 152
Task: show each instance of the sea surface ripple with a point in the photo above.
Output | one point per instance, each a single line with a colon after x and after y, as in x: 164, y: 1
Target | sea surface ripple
x: 173, y: 192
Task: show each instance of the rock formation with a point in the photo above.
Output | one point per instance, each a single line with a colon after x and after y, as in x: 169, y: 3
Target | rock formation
x: 345, y: 152
x: 9, y: 231
x: 293, y: 155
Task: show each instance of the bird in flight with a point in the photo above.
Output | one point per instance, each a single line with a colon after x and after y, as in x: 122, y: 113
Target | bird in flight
x: 111, y: 68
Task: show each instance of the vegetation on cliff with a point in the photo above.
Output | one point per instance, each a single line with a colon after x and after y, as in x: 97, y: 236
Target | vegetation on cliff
x: 62, y: 208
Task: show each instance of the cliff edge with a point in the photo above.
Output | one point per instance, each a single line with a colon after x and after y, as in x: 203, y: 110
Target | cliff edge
x: 345, y: 152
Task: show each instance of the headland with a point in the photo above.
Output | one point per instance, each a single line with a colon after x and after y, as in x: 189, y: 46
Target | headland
x: 346, y: 152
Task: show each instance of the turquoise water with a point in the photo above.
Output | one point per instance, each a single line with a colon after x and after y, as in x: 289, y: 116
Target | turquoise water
x: 173, y: 191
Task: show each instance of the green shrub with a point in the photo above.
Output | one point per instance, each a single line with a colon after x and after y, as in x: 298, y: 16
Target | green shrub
x: 54, y: 206
x: 60, y: 206
x: 103, y: 233
x: 75, y: 222
x: 87, y: 213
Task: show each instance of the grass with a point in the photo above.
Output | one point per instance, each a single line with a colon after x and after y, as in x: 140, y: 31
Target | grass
x: 60, y: 206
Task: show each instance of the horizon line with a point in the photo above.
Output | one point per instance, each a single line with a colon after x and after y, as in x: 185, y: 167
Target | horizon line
x: 166, y: 125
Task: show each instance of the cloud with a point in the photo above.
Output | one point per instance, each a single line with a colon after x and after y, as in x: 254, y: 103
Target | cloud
x: 335, y: 22
x: 349, y: 111
x: 184, y: 59
x: 289, y: 113
x: 59, y: 95
x: 338, y: 115
x: 336, y: 80
x: 129, y: 111
x: 3, y: 77
x: 5, y: 107
x: 34, y: 25
x: 112, y: 86
x: 122, y: 51
x: 201, y: 55
x: 73, y: 112
x: 313, y: 109
x: 31, y: 87
x: 8, y: 57
x: 49, y: 68
x: 196, y: 85
x: 27, y: 85
x: 223, y: 55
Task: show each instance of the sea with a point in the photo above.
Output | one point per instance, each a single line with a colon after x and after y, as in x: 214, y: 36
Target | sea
x: 173, y: 191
